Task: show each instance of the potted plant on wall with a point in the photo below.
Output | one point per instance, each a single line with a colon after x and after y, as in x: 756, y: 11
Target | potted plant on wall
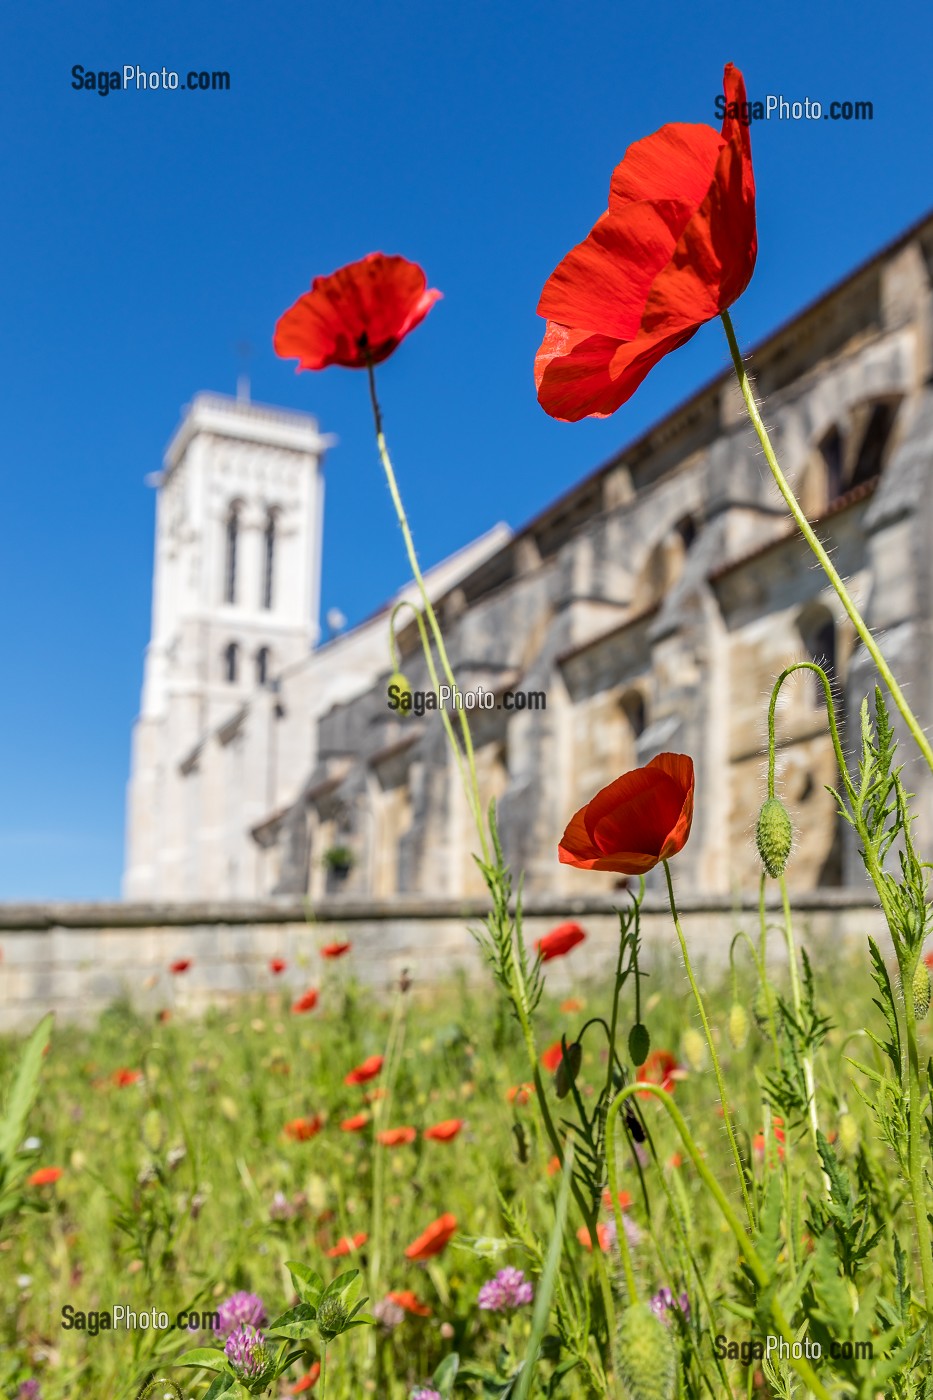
x: 339, y: 861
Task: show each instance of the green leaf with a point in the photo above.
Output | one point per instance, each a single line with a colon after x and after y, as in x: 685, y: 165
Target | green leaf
x: 220, y: 1385
x: 296, y: 1324
x: 210, y: 1358
x: 24, y: 1089
x: 340, y: 1283
x: 308, y: 1285
x: 445, y: 1374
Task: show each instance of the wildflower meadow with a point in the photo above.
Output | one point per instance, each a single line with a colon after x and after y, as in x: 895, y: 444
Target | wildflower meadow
x: 671, y: 1183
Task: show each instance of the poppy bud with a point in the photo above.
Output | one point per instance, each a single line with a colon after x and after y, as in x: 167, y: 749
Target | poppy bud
x: 639, y: 1043
x: 400, y: 694
x: 848, y: 1134
x: 774, y: 836
x: 521, y: 1142
x: 634, y: 1126
x: 738, y: 1025
x: 568, y: 1069
x: 694, y: 1048
x: 921, y: 991
x: 646, y: 1356
x: 766, y: 1007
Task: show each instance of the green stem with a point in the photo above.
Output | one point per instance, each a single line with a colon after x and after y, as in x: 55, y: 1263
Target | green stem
x: 825, y: 562
x: 473, y: 786
x: 727, y: 1119
x: 750, y: 1254
x: 380, y: 1116
x: 806, y: 1059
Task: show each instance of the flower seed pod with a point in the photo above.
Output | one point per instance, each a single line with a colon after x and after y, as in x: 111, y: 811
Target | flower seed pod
x: 738, y: 1025
x: 399, y: 693
x: 766, y: 1007
x: 639, y: 1043
x: 568, y: 1069
x: 646, y: 1356
x: 921, y: 990
x: 694, y: 1047
x: 848, y: 1134
x: 774, y: 836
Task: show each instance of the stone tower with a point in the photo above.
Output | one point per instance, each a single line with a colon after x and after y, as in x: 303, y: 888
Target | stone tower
x: 235, y: 600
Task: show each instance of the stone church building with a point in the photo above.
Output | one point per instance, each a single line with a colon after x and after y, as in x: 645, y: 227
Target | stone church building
x: 648, y: 609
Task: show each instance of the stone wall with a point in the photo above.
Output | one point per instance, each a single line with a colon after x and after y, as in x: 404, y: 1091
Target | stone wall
x: 77, y: 958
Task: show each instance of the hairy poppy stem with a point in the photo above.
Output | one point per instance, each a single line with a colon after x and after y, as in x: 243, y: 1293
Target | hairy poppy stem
x: 871, y: 646
x: 712, y: 1049
x: 749, y: 1253
x: 472, y: 785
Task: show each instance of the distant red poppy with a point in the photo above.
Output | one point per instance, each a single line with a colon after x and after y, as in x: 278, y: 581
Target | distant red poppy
x: 357, y: 315
x: 552, y: 1056
x: 444, y: 1132
x: 929, y: 960
x: 625, y: 1199
x: 366, y: 1071
x: 642, y: 818
x: 758, y: 1145
x: 559, y: 941
x: 675, y: 248
x: 307, y: 1382
x: 303, y: 1129
x: 347, y: 1244
x: 520, y: 1093
x: 411, y: 1304
x: 45, y: 1176
x: 123, y: 1077
x: 335, y: 950
x: 356, y: 1124
x: 661, y: 1068
x: 373, y: 1094
x: 434, y: 1239
x: 306, y: 1002
x: 572, y: 1004
x: 396, y: 1137
x: 603, y: 1234
x: 179, y: 965
x: 277, y: 965
x: 163, y: 1015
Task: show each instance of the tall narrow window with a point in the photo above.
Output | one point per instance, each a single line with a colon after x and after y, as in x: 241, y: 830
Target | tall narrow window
x: 831, y: 451
x: 231, y: 662
x: 232, y: 531
x: 262, y: 666
x: 268, y: 560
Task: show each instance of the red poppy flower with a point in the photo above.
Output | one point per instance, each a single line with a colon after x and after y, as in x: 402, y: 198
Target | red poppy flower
x: 572, y: 1004
x: 625, y: 1199
x: 553, y: 1166
x: 444, y: 1132
x: 411, y: 1304
x: 122, y: 1077
x: 660, y: 1068
x: 179, y: 965
x: 335, y: 950
x: 303, y: 1129
x: 347, y: 1244
x: 45, y: 1176
x: 603, y: 1235
x: 559, y: 941
x: 642, y: 818
x: 357, y: 316
x: 929, y: 961
x: 356, y: 1124
x: 306, y: 1002
x: 277, y: 965
x: 396, y: 1137
x: 552, y: 1056
x: 163, y: 1015
x: 758, y: 1146
x: 366, y: 1071
x: 307, y: 1382
x: 520, y: 1093
x: 434, y: 1239
x: 675, y: 248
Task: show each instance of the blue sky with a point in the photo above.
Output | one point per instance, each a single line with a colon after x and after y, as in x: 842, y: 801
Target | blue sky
x: 146, y: 235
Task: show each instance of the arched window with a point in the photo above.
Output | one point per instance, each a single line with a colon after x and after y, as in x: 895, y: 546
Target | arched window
x: 262, y: 666
x: 268, y: 540
x: 632, y: 706
x: 231, y: 532
x: 231, y: 663
x: 831, y: 452
x: 872, y: 450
